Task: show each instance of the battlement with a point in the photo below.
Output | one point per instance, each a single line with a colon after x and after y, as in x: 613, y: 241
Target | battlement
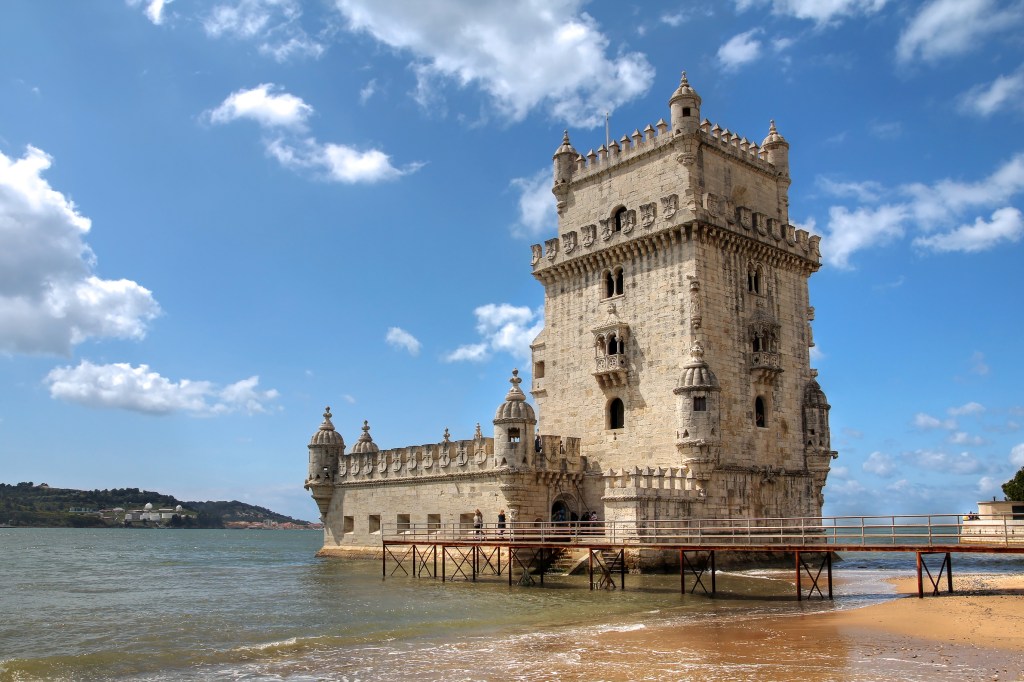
x: 668, y: 482
x: 448, y: 458
x: 656, y: 136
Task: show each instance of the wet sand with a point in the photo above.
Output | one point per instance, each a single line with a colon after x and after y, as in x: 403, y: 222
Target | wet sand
x: 977, y: 633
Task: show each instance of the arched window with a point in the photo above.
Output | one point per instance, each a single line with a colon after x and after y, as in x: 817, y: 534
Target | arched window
x: 755, y: 278
x: 758, y: 345
x: 616, y: 414
x: 759, y: 416
x: 612, y: 282
x: 620, y: 219
x: 613, y: 345
x: 700, y: 403
x: 513, y: 434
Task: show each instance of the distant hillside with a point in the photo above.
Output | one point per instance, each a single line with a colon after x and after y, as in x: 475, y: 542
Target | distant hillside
x: 27, y: 504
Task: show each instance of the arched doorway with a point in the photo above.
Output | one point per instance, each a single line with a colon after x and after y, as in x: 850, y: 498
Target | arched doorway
x: 562, y: 512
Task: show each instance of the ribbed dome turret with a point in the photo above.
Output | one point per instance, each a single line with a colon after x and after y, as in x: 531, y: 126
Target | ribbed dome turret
x: 773, y: 138
x: 365, y: 444
x: 515, y: 407
x: 814, y: 396
x: 696, y: 373
x: 566, y: 147
x: 685, y: 90
x: 326, y: 435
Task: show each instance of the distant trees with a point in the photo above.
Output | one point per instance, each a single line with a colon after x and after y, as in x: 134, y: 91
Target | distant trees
x: 1014, y: 488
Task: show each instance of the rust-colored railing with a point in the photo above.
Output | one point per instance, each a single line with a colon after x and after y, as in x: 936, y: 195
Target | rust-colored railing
x: 921, y: 530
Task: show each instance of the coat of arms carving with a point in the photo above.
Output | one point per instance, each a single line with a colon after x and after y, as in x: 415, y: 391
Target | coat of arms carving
x: 669, y: 205
x: 589, y: 234
x: 569, y: 242
x: 648, y: 212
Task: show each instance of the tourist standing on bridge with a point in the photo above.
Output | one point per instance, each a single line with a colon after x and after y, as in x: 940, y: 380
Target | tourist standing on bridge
x: 501, y: 523
x: 478, y: 522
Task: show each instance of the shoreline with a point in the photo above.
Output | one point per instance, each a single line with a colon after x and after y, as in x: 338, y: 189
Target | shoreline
x: 972, y: 634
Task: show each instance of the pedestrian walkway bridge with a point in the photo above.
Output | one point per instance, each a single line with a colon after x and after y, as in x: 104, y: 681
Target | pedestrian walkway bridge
x: 524, y: 551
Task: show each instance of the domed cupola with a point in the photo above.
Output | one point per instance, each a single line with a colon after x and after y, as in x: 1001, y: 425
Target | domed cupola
x: 697, y: 376
x: 514, y: 423
x: 325, y: 447
x: 326, y: 435
x: 365, y: 444
x: 776, y: 149
x: 515, y: 408
x: 685, y: 107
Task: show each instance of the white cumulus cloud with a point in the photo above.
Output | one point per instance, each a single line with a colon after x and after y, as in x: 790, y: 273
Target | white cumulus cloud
x: 504, y: 328
x: 1006, y: 225
x: 928, y: 422
x: 740, y: 49
x: 139, y: 389
x: 50, y: 300
x: 283, y: 117
x: 880, y: 464
x: 1017, y: 455
x: 931, y: 209
x: 274, y: 24
x: 399, y: 338
x: 967, y: 408
x: 524, y: 55
x: 537, y: 211
x: 819, y: 11
x: 266, y: 105
x: 945, y: 28
x: 1005, y: 92
x: 154, y: 9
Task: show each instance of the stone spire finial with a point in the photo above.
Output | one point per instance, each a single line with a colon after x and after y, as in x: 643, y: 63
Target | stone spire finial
x: 327, y: 425
x: 773, y: 136
x: 515, y: 393
x: 365, y: 444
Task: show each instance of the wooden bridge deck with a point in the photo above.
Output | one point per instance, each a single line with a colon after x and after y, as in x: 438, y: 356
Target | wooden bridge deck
x: 462, y: 552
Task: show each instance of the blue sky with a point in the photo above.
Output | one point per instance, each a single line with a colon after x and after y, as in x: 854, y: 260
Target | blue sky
x: 218, y: 217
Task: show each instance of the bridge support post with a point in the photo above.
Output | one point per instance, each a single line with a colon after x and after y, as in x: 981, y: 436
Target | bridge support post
x: 946, y: 567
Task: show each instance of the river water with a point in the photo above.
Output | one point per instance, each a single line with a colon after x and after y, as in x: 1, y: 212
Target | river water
x: 124, y: 604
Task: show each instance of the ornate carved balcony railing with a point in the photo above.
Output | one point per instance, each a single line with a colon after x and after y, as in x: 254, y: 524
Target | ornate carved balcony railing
x: 765, y: 365
x: 612, y: 370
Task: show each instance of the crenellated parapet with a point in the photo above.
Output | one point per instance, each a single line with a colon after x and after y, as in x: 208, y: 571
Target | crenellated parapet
x: 635, y: 483
x: 456, y: 458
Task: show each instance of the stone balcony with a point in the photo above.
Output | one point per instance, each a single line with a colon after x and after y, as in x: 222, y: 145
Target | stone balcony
x: 764, y: 365
x: 612, y: 370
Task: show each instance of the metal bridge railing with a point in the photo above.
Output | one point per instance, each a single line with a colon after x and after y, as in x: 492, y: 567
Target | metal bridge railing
x: 868, y: 531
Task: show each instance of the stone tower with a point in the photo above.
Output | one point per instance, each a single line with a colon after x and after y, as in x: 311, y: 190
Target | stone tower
x: 677, y: 324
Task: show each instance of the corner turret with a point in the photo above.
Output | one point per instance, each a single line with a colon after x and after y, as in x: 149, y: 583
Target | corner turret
x: 685, y: 107
x: 699, y: 416
x: 564, y: 160
x: 776, y: 150
x: 325, y: 447
x: 514, y: 423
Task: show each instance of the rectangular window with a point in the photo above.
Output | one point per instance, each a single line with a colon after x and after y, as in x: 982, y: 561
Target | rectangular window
x: 402, y: 525
x: 700, y: 403
x: 349, y: 525
x: 466, y: 523
x: 538, y: 370
x: 433, y: 523
x: 374, y: 523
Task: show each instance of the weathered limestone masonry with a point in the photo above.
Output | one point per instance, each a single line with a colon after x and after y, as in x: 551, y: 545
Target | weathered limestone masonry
x: 677, y: 325
x: 441, y: 484
x: 674, y: 361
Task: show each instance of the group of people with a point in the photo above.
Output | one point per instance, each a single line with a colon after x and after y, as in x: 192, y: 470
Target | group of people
x: 478, y: 522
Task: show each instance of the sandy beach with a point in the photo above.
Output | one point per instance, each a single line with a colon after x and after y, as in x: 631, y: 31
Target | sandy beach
x: 976, y: 633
